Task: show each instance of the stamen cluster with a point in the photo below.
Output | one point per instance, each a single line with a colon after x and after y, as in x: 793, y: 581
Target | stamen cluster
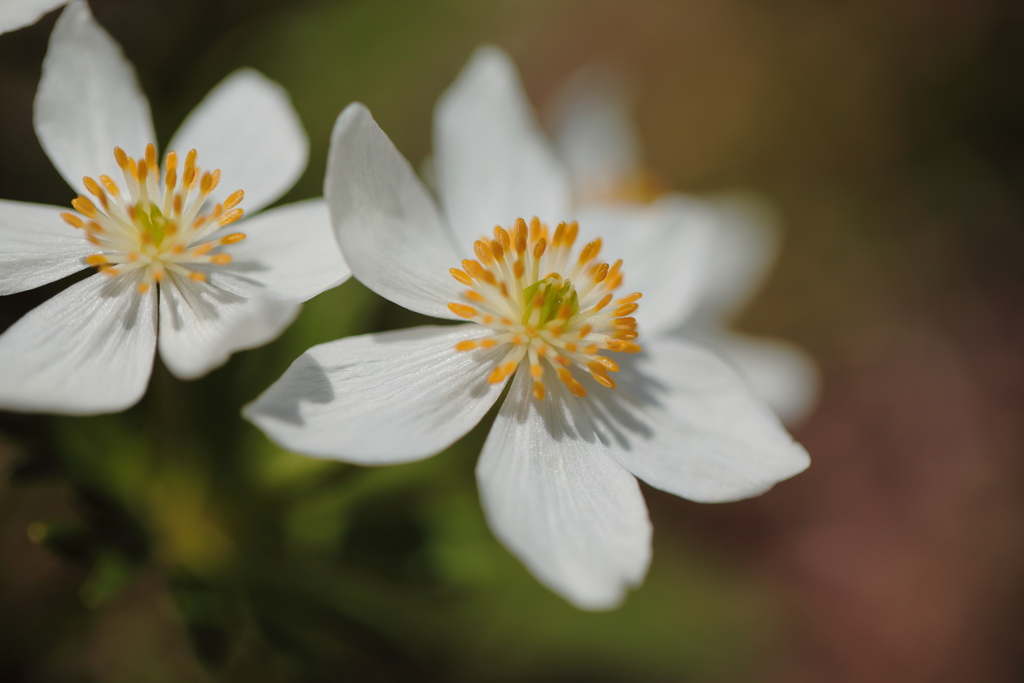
x: 563, y: 320
x: 158, y: 226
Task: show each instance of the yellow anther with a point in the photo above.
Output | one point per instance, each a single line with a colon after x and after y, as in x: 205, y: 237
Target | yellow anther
x: 571, y: 348
x: 556, y: 241
x: 232, y: 238
x: 478, y: 272
x: 92, y: 186
x: 230, y: 217
x: 623, y: 346
x: 206, y: 183
x: 488, y: 343
x: 571, y: 231
x: 177, y: 204
x: 538, y: 249
x: 535, y: 229
x: 121, y: 158
x: 203, y: 248
x: 190, y: 159
x: 626, y: 334
x: 461, y: 276
x: 608, y: 363
x: 96, y: 260
x: 141, y: 170
x: 575, y: 387
x: 497, y: 250
x: 197, y: 276
x: 221, y: 259
x: 475, y: 297
x: 600, y: 272
x: 607, y: 299
x: 564, y: 312
x: 502, y: 237
x: 538, y: 391
x: 602, y: 377
x: 72, y: 220
x: 143, y: 286
x: 466, y: 345
x: 151, y: 155
x: 171, y: 162
x: 501, y: 372
x: 635, y: 296
x: 214, y: 179
x: 93, y: 226
x: 462, y: 310
x: 483, y: 252
x: 84, y: 206
x: 519, y: 235
x: 233, y: 199
x: 110, y: 185
x: 518, y: 269
x: 158, y: 275
x: 536, y: 371
x: 584, y: 331
x: 626, y: 309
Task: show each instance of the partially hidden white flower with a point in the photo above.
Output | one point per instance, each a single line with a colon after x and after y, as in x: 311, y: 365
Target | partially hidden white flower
x: 176, y: 271
x: 587, y: 409
x: 15, y: 14
x: 593, y: 129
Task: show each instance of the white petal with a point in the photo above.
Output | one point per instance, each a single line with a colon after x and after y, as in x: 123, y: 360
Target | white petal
x: 385, y: 220
x: 203, y: 323
x: 290, y: 250
x: 593, y: 129
x: 37, y: 247
x: 782, y: 374
x: 744, y: 248
x: 685, y: 422
x: 493, y: 163
x: 379, y: 399
x: 573, y: 515
x: 664, y: 249
x: 88, y: 100
x: 87, y: 350
x: 17, y: 13
x: 246, y: 126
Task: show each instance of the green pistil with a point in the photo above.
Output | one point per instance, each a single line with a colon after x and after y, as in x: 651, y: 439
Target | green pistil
x: 555, y: 292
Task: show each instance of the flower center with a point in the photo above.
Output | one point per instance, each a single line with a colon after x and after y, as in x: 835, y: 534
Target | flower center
x: 157, y: 227
x: 562, y: 321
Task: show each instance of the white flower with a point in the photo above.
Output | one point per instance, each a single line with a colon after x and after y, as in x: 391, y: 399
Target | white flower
x: 556, y: 472
x: 596, y: 139
x: 172, y: 273
x: 15, y: 14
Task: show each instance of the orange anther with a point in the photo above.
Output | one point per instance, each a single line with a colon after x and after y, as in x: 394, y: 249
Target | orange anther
x: 600, y: 272
x: 538, y: 249
x: 519, y: 234
x: 503, y: 238
x: 635, y: 296
x: 84, y: 206
x: 475, y: 297
x: 584, y: 330
x: 536, y: 371
x: 590, y: 350
x: 92, y: 186
x: 483, y: 252
x: 538, y: 391
x: 143, y: 287
x: 233, y: 199
x: 497, y: 250
x: 518, y: 269
x: 488, y: 343
x: 607, y: 299
x: 72, y: 220
x: 230, y: 216
x: 626, y: 309
x: 466, y: 345
x: 96, y: 260
x: 462, y: 310
x: 535, y: 229
x: 197, y: 276
x: 151, y: 155
x: 220, y: 259
x: 623, y: 346
x: 556, y: 241
x: 214, y: 179
x: 564, y: 312
x: 206, y: 183
x: 232, y: 238
x: 121, y: 158
x: 480, y: 273
x: 626, y: 334
x: 171, y: 162
x: 461, y: 276
x: 608, y: 363
x: 575, y: 387
x: 110, y: 185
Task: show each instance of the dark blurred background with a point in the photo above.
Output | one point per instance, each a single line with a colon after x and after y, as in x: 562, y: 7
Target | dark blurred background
x: 173, y: 543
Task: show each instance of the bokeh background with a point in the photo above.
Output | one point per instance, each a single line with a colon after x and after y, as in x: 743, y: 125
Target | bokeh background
x: 174, y: 543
